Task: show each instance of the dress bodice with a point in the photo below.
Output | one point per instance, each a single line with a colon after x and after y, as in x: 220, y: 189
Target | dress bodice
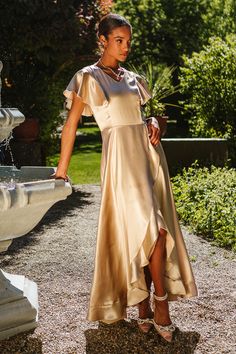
x: 113, y: 103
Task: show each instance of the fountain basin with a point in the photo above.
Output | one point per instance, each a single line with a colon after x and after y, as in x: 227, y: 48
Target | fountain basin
x: 9, y: 119
x: 23, y: 203
x: 26, y: 194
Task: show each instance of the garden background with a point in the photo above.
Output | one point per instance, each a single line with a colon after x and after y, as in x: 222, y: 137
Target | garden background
x: 43, y: 43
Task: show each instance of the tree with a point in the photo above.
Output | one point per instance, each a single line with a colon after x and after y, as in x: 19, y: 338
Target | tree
x: 182, y: 28
x: 208, y: 78
x: 164, y: 30
x: 219, y: 19
x: 41, y: 41
x: 145, y: 17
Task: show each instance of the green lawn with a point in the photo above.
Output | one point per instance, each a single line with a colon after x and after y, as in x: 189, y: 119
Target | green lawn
x: 85, y: 164
x: 85, y: 161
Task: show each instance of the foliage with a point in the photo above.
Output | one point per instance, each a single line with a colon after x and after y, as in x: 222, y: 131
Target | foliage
x: 182, y: 27
x: 160, y: 84
x: 40, y: 46
x: 209, y: 80
x: 163, y: 30
x: 218, y: 19
x: 145, y: 17
x: 159, y: 79
x: 206, y: 201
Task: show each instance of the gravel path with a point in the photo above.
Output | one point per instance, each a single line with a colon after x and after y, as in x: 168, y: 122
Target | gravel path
x: 59, y: 256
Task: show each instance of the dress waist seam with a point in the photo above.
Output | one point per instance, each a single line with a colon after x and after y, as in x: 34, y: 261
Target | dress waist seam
x: 121, y: 125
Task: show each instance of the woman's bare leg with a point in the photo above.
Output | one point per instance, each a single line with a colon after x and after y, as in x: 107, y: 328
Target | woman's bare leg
x: 157, y: 268
x: 144, y: 306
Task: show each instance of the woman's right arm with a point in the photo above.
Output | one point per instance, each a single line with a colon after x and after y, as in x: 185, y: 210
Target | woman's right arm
x: 68, y: 136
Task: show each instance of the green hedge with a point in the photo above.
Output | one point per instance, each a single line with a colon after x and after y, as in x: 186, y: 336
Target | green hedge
x: 208, y: 79
x: 206, y: 202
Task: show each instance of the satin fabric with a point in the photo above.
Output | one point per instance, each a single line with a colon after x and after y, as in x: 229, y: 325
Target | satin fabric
x: 137, y: 199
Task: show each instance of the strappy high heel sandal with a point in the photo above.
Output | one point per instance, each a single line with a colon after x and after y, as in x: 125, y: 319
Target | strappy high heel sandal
x: 165, y: 332
x: 145, y: 324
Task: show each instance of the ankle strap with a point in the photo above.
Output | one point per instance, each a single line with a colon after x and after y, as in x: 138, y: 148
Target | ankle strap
x: 160, y: 298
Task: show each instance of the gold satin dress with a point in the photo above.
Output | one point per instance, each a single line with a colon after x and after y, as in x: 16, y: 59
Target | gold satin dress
x: 136, y: 201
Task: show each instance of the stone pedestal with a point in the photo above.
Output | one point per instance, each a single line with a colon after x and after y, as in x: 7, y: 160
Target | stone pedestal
x: 22, y: 206
x: 18, y: 304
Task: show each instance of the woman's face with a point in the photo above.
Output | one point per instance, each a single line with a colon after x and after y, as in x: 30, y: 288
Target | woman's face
x: 118, y: 43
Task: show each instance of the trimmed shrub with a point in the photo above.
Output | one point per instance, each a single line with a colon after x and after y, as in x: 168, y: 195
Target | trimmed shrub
x: 206, y: 202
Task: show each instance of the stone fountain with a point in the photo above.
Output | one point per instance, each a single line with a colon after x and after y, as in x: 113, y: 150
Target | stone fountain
x: 25, y: 196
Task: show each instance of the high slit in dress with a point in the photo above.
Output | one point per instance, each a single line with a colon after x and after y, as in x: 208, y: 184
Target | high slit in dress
x: 136, y: 200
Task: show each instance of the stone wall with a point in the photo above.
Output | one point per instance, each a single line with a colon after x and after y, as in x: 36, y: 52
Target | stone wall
x: 182, y: 152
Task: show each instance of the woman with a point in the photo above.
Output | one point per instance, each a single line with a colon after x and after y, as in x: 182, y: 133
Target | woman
x: 139, y: 240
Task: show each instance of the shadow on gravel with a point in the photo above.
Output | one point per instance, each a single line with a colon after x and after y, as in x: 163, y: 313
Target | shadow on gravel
x: 65, y: 208
x: 77, y: 200
x: 125, y: 337
x: 21, y: 344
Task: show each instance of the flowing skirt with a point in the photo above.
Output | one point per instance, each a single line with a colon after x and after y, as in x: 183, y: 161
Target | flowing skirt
x: 136, y: 202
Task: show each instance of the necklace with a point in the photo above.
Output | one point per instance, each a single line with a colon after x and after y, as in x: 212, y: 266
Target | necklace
x: 118, y: 76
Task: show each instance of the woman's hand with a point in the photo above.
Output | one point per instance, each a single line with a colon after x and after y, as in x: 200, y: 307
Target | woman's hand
x: 60, y: 175
x: 154, y: 134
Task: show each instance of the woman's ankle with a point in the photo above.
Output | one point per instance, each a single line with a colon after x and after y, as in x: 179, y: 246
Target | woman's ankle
x: 144, y: 308
x: 161, y: 313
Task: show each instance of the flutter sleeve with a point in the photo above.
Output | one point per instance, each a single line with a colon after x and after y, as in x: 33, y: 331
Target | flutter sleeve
x: 88, y: 89
x: 144, y: 92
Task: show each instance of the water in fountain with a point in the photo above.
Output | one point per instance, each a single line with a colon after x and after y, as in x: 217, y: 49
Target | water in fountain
x: 8, y: 184
x: 5, y: 146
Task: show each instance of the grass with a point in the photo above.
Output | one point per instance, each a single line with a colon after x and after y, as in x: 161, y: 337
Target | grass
x: 84, y: 166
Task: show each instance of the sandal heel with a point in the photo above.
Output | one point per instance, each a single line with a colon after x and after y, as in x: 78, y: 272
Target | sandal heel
x: 145, y: 324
